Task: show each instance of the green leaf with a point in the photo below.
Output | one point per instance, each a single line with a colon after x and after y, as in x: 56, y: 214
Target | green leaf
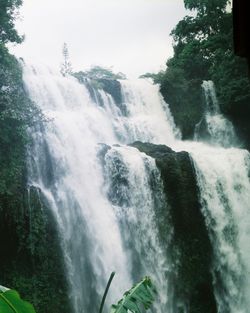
x: 10, y: 302
x: 141, y: 295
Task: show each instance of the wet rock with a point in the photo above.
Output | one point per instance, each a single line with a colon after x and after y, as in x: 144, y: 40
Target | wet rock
x: 191, y: 248
x: 112, y: 87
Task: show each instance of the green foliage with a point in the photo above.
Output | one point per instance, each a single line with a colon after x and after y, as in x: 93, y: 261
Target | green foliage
x: 31, y: 261
x: 184, y: 98
x: 206, y: 6
x: 203, y: 50
x: 8, y: 15
x: 17, y: 113
x: 10, y: 302
x: 98, y: 72
x: 230, y: 76
x: 156, y: 77
x: 141, y: 295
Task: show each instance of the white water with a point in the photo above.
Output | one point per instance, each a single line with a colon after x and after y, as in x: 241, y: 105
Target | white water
x: 93, y: 240
x: 223, y: 177
x: 220, y: 129
x: 104, y: 202
x: 87, y: 223
x: 135, y: 188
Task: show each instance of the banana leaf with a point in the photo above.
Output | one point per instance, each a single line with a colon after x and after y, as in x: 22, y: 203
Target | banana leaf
x: 10, y: 302
x: 138, y: 297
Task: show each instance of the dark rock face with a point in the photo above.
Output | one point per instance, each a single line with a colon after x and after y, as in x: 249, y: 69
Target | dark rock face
x: 186, y: 105
x: 241, y: 25
x: 95, y: 96
x: 191, y: 247
x: 240, y: 117
x: 112, y: 87
x: 31, y: 260
x: 188, y: 109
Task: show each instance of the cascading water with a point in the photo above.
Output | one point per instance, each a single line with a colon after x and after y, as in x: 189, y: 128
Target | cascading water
x: 105, y: 195
x: 91, y: 239
x: 66, y: 164
x: 223, y: 177
x: 148, y: 116
x: 220, y: 130
x: 126, y: 169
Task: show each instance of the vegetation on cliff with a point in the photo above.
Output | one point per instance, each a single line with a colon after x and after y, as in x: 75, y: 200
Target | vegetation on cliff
x: 30, y: 260
x: 203, y: 50
x: 98, y: 77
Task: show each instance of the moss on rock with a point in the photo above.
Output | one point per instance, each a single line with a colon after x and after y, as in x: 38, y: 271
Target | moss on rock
x: 31, y: 259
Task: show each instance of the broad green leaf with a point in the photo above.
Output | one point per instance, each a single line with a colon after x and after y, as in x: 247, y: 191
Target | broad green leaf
x: 140, y: 295
x: 10, y: 302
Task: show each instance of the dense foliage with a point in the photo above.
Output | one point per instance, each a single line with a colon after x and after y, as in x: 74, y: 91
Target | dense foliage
x: 30, y: 260
x: 17, y: 113
x: 8, y: 15
x: 97, y: 72
x: 14, y: 110
x: 203, y: 50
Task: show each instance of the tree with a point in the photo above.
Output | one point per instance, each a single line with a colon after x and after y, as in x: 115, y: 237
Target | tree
x: 8, y: 16
x: 66, y: 67
x: 98, y: 72
x: 206, y: 6
x: 203, y: 50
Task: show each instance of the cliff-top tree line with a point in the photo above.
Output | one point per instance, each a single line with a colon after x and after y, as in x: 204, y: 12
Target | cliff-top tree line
x: 203, y: 50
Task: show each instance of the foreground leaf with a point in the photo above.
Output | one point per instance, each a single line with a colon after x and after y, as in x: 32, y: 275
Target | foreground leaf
x: 10, y: 302
x: 141, y: 295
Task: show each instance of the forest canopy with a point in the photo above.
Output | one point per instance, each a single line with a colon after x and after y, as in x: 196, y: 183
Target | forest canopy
x: 203, y: 50
x: 8, y: 16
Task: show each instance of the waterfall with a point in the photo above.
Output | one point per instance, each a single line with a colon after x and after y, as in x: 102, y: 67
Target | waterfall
x: 67, y: 163
x: 220, y: 130
x: 105, y: 195
x: 148, y: 116
x: 223, y: 178
x: 126, y: 169
x: 91, y: 240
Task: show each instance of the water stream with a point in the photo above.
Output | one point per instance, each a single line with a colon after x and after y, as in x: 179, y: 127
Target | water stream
x: 105, y: 194
x: 220, y: 130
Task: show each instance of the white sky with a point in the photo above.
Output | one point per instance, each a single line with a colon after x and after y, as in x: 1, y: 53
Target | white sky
x: 132, y: 36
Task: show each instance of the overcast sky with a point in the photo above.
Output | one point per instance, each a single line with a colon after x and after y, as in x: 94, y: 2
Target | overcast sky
x: 130, y: 35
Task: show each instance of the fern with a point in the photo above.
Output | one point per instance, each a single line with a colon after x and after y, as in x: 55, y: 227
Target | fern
x: 141, y: 295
